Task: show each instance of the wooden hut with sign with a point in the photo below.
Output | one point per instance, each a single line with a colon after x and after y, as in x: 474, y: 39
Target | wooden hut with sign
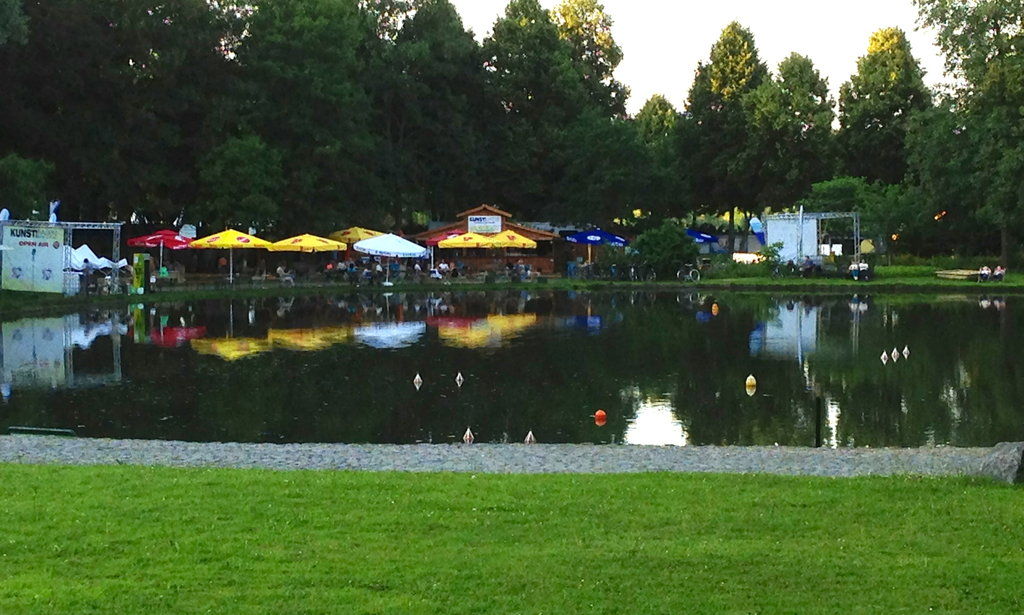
x: 489, y: 220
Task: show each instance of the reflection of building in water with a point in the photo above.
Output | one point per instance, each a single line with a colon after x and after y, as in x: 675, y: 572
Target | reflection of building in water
x: 655, y: 423
x: 39, y: 352
x: 792, y: 334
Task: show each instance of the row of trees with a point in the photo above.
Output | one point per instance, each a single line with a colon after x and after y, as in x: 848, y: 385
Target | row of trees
x: 311, y: 114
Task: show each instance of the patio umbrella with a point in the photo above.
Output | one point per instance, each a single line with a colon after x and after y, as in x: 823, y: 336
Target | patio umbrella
x: 436, y: 239
x: 306, y: 243
x: 391, y: 246
x: 161, y: 239
x: 597, y: 237
x: 511, y: 239
x: 466, y: 240
x: 229, y: 240
x: 354, y: 234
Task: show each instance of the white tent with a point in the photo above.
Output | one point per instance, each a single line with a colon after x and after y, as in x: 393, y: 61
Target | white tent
x: 390, y: 245
x: 83, y: 252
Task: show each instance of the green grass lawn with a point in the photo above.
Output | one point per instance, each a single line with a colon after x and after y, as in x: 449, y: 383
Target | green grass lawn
x: 137, y: 540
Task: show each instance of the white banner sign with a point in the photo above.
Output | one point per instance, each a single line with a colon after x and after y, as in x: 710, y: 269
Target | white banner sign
x: 485, y: 225
x: 34, y: 260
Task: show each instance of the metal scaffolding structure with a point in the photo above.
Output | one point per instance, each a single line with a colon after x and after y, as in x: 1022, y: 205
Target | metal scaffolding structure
x: 801, y: 216
x: 69, y: 237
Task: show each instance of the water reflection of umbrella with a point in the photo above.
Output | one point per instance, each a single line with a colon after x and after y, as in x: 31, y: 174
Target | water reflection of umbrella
x: 390, y: 335
x: 231, y: 349
x: 309, y: 339
x: 480, y: 332
x: 172, y: 337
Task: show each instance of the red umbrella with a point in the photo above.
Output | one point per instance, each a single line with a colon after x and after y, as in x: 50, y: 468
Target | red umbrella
x: 172, y: 337
x: 433, y: 241
x: 161, y: 239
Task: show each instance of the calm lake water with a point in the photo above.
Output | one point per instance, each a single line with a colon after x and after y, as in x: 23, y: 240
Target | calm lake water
x: 667, y: 368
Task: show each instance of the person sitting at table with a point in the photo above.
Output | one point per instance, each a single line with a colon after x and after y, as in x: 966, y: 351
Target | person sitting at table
x: 984, y: 273
x: 285, y: 276
x: 999, y: 273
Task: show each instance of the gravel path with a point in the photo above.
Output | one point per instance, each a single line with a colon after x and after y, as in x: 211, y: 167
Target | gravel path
x: 1002, y: 461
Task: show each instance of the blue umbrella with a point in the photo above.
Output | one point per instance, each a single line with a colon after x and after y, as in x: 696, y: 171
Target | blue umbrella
x: 700, y: 237
x: 598, y: 237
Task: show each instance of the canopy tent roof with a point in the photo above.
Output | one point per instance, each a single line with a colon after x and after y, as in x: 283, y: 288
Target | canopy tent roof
x: 700, y: 237
x: 596, y: 237
x: 511, y: 239
x: 390, y: 245
x: 467, y: 240
x: 435, y: 240
x: 354, y: 234
x: 462, y: 225
x: 171, y: 240
x: 306, y: 243
x: 229, y: 239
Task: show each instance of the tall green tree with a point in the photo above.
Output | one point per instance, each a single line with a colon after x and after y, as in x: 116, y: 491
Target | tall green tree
x: 668, y: 192
x: 791, y: 124
x: 432, y: 112
x: 130, y: 104
x: 875, y: 108
x: 657, y: 119
x: 241, y: 183
x: 608, y: 171
x: 532, y: 74
x: 720, y: 148
x: 13, y: 23
x: 587, y: 28
x: 306, y: 80
x: 23, y: 185
x: 982, y: 40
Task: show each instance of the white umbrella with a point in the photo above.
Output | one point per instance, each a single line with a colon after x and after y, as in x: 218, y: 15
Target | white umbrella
x: 390, y: 245
x: 390, y: 335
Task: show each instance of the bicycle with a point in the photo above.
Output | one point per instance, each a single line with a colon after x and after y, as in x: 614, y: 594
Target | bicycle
x: 689, y: 272
x: 642, y: 272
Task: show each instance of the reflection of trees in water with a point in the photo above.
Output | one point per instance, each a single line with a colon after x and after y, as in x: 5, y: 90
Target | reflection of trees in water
x: 962, y: 383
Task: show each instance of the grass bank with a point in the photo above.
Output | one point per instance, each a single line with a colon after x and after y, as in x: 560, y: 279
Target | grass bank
x: 150, y: 540
x: 897, y: 279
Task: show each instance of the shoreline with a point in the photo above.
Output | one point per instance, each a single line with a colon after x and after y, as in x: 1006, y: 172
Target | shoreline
x: 1002, y: 462
x: 14, y: 305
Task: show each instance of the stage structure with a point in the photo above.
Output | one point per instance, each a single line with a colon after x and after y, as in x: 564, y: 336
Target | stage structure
x: 37, y: 255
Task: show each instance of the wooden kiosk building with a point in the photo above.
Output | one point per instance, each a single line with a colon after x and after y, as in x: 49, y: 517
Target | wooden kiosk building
x: 487, y: 220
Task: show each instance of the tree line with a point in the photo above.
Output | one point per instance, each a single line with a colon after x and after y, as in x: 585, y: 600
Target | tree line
x: 309, y: 115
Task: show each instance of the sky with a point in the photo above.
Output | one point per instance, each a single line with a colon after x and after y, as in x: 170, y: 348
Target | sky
x: 663, y: 40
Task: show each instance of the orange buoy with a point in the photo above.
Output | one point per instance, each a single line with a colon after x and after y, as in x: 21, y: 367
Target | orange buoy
x: 714, y: 309
x: 600, y: 418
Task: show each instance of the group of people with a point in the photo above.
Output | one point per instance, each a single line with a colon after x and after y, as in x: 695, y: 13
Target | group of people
x: 985, y: 274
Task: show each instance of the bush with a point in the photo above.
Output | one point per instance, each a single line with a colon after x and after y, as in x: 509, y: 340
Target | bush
x: 666, y: 247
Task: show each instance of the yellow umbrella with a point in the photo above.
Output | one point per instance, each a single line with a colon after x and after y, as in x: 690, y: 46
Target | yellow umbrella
x: 511, y: 239
x: 230, y: 349
x: 467, y: 240
x: 354, y: 234
x: 306, y: 243
x: 229, y: 240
